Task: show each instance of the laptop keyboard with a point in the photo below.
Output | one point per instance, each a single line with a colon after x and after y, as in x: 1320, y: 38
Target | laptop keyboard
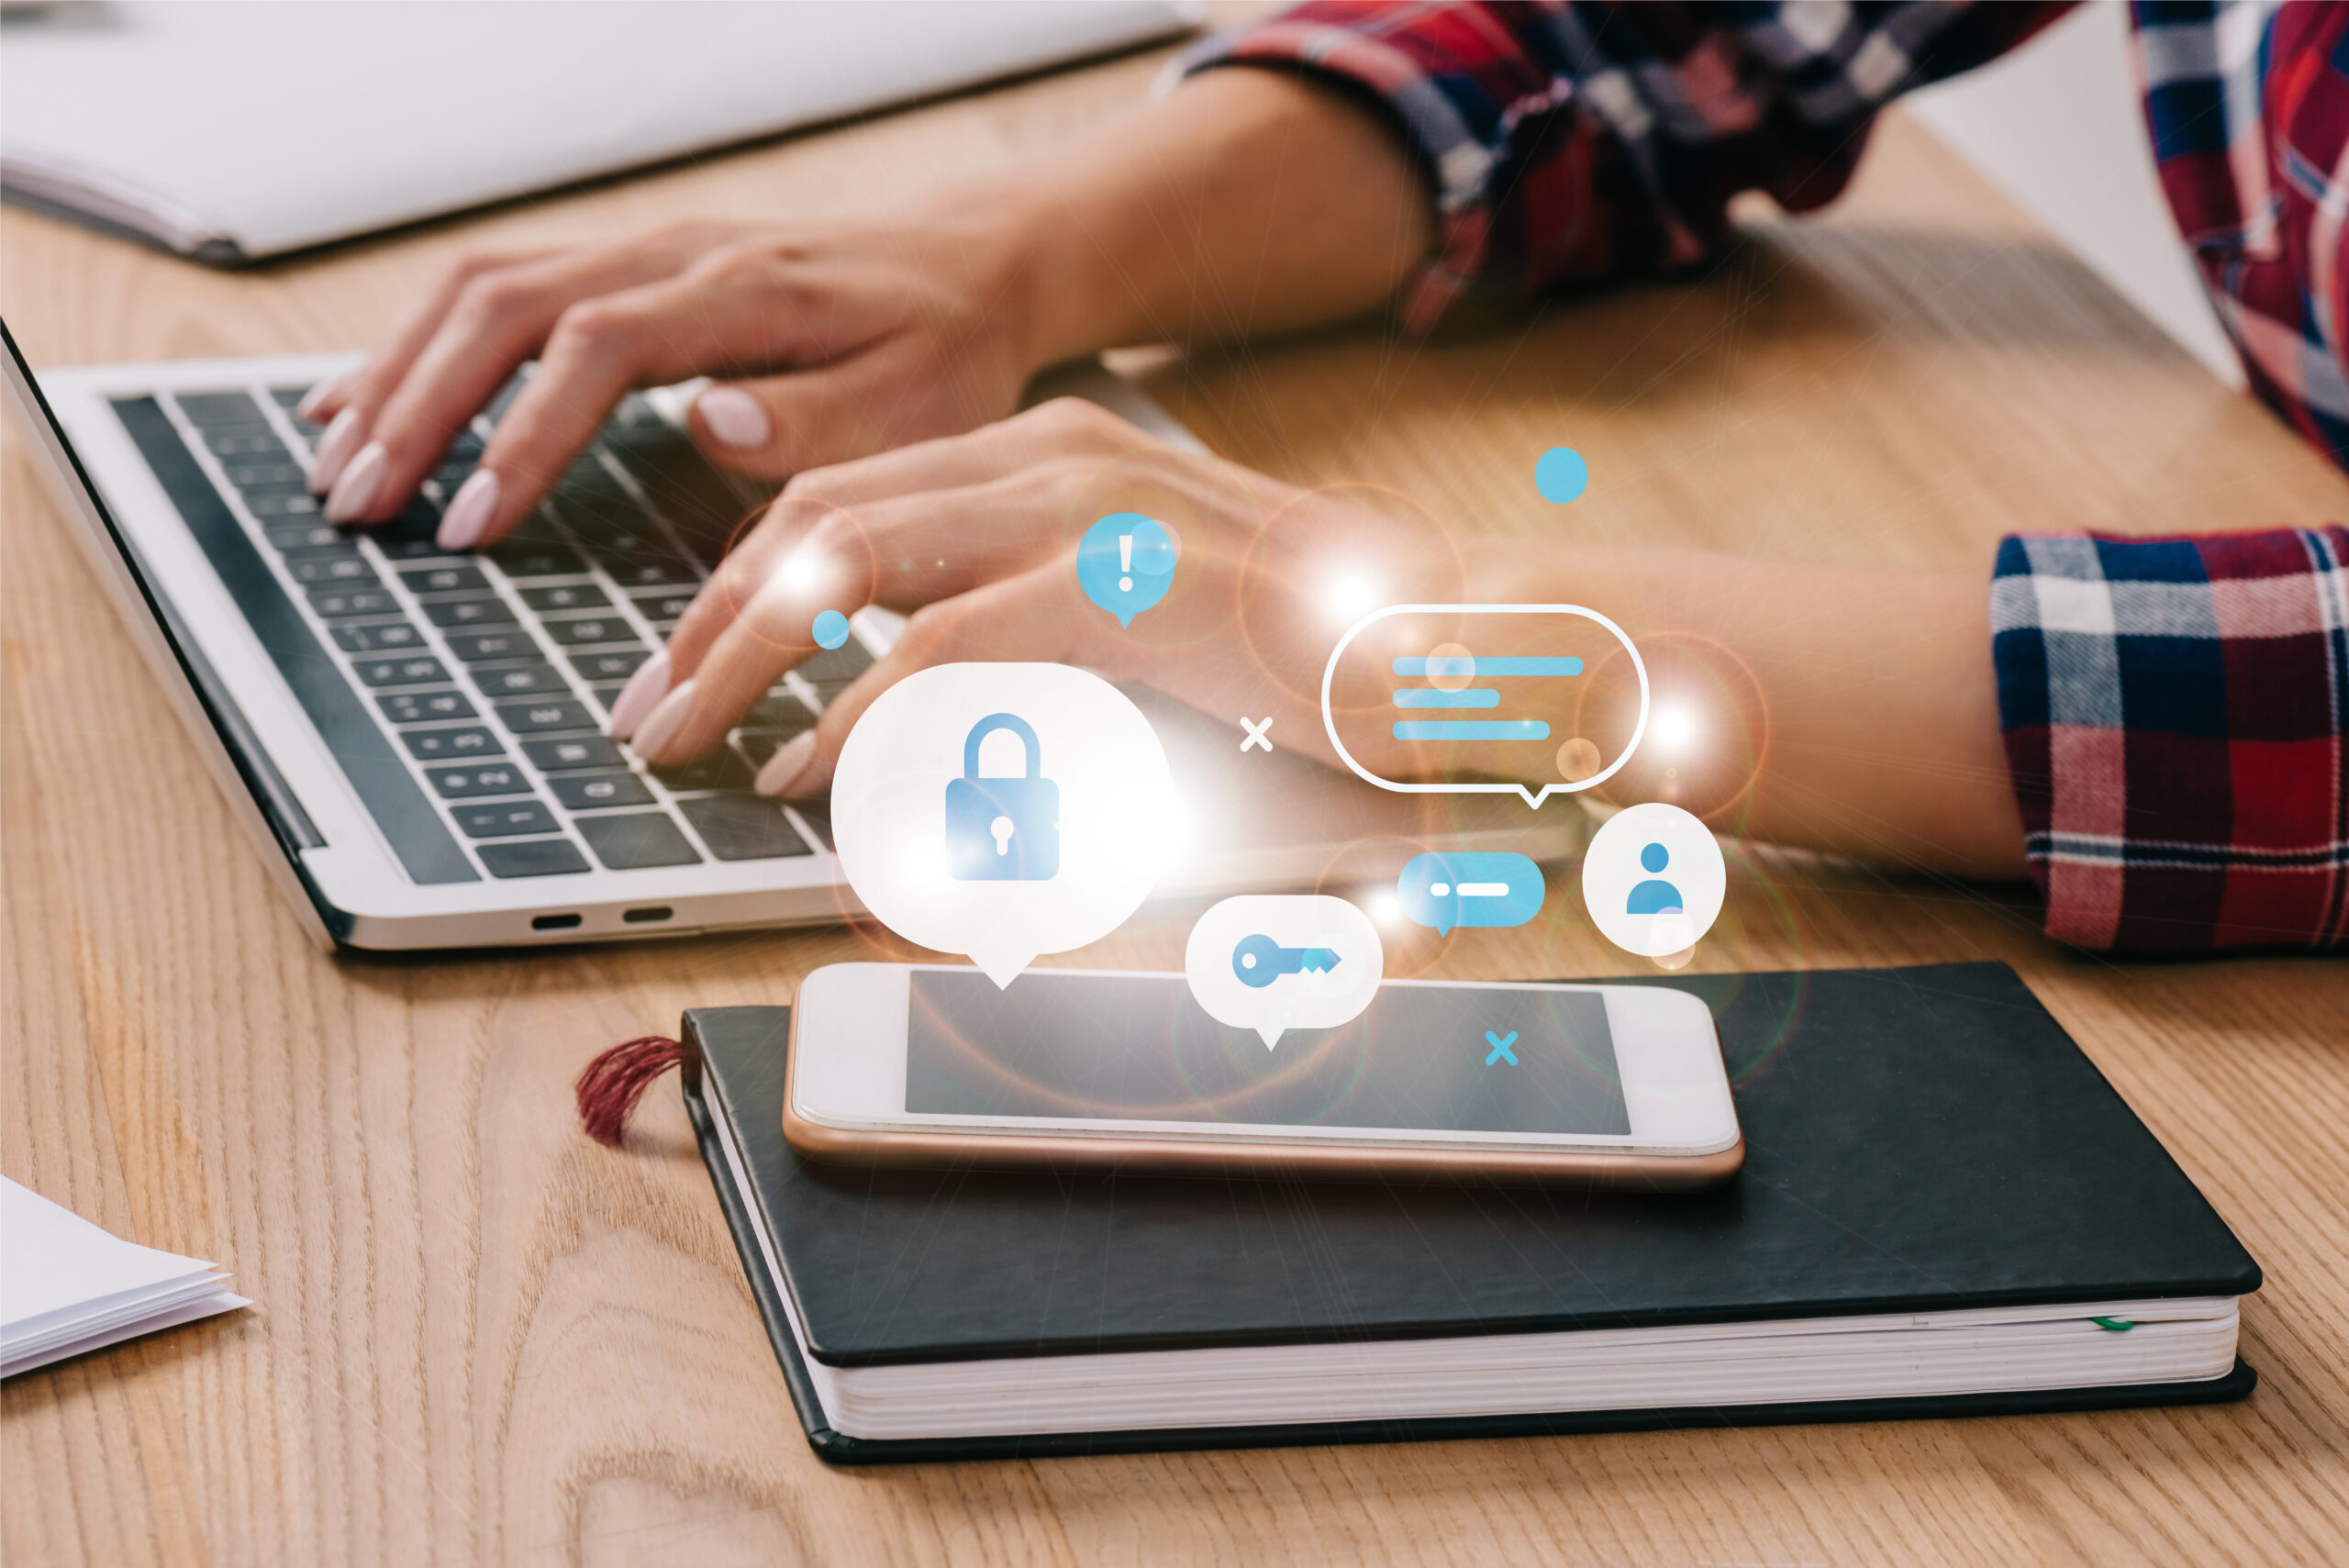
x: 464, y: 694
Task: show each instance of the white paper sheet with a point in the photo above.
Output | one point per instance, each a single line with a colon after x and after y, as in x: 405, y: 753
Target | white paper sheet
x: 67, y: 1286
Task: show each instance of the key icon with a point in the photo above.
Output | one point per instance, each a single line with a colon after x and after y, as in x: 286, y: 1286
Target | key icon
x: 1259, y: 961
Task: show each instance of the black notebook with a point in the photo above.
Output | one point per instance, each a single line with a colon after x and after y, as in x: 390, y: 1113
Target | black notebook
x: 1945, y: 1210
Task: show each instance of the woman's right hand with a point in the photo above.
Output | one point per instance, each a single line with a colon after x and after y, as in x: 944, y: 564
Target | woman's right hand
x: 828, y: 342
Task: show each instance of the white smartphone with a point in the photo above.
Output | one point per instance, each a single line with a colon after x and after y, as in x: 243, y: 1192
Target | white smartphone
x: 1619, y: 1085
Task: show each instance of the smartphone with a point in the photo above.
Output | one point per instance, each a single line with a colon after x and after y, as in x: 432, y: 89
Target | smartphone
x: 926, y: 1063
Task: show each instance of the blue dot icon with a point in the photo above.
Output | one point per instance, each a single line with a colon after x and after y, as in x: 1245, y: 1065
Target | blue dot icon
x: 1560, y: 475
x: 830, y: 629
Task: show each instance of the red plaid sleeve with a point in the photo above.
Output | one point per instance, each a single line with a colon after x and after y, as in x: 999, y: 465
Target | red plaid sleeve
x: 2172, y: 711
x: 1570, y: 143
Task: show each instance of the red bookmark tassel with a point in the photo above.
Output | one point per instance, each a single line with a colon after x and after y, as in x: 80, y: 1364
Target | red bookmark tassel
x: 616, y: 1079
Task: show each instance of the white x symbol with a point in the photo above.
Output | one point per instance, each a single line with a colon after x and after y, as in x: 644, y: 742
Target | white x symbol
x: 1255, y: 733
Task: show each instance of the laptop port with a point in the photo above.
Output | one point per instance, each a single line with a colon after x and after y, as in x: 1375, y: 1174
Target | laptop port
x: 647, y: 915
x: 553, y: 922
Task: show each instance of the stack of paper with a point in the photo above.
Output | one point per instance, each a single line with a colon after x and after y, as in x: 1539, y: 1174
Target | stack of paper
x: 66, y: 1286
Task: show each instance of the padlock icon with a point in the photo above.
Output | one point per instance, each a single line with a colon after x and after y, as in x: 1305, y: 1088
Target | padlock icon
x: 1004, y: 830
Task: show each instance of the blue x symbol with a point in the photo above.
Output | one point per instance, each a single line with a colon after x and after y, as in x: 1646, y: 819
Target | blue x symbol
x: 1501, y: 1048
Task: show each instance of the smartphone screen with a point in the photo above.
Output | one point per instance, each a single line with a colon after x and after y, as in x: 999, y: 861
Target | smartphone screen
x: 1119, y: 1047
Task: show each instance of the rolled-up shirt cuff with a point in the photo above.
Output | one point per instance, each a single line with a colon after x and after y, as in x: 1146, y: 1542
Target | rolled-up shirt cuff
x: 2173, y: 715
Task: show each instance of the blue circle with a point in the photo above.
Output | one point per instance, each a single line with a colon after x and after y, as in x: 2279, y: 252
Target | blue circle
x: 831, y: 629
x: 1560, y: 475
x: 1656, y: 857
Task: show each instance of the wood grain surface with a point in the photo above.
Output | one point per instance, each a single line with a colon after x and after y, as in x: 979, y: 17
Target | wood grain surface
x: 481, y: 1339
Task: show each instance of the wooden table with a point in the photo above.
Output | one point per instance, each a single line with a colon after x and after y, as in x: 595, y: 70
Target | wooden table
x: 481, y: 1337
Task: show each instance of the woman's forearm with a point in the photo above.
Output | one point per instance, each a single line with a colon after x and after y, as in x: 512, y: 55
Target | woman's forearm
x: 1246, y: 201
x: 1842, y: 709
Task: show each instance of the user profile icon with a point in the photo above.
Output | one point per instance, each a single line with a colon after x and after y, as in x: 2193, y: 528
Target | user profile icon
x: 1654, y: 880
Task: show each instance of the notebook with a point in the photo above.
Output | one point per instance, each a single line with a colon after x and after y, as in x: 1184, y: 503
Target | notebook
x: 1945, y: 1210
x: 229, y: 132
x: 70, y: 1286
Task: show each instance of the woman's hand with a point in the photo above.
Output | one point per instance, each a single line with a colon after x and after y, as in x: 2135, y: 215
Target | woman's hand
x: 831, y: 340
x: 1246, y: 202
x: 975, y: 537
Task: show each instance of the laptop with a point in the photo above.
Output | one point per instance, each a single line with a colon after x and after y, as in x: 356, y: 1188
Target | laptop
x: 413, y: 740
x: 229, y: 132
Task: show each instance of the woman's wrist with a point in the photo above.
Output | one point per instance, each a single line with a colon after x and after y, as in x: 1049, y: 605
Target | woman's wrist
x: 1247, y: 201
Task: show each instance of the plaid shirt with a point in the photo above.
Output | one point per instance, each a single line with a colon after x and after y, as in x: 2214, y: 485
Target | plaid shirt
x: 2173, y: 709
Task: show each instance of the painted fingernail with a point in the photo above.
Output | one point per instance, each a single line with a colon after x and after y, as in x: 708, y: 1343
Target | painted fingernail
x: 647, y: 687
x: 660, y: 726
x: 790, y: 760
x: 735, y: 417
x: 355, y: 490
x: 470, y: 510
x: 318, y: 394
x: 341, y: 438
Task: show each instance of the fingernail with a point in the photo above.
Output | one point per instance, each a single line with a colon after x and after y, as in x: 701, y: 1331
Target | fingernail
x: 790, y: 760
x: 355, y: 490
x: 735, y: 417
x: 341, y: 438
x: 660, y: 726
x: 647, y: 687
x: 470, y: 510
x: 317, y: 395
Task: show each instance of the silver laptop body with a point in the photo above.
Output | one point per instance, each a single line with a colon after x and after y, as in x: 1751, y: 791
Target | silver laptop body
x: 413, y: 739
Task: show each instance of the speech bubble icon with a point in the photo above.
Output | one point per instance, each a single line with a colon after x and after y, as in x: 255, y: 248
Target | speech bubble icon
x: 1653, y: 879
x: 1003, y: 810
x: 1124, y: 564
x: 1460, y: 888
x: 1278, y: 962
x: 1530, y: 700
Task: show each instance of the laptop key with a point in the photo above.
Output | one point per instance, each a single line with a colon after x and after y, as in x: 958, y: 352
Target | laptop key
x: 572, y: 753
x: 585, y: 631
x: 567, y: 596
x: 540, y: 718
x: 269, y: 508
x: 523, y: 558
x: 412, y: 534
x: 268, y: 477
x: 520, y: 681
x: 635, y: 841
x: 400, y: 672
x: 311, y: 567
x: 596, y: 792
x: 743, y: 827
x: 246, y: 441
x: 209, y: 408
x: 389, y: 636
x: 842, y: 665
x: 646, y: 573
x: 304, y: 535
x: 506, y: 819
x: 533, y: 857
x: 610, y: 696
x: 490, y: 778
x: 780, y: 709
x: 607, y: 663
x: 455, y: 577
x: 479, y: 648
x: 346, y: 603
x: 663, y: 604
x: 722, y: 769
x: 452, y: 613
x: 425, y: 707
x: 449, y: 745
